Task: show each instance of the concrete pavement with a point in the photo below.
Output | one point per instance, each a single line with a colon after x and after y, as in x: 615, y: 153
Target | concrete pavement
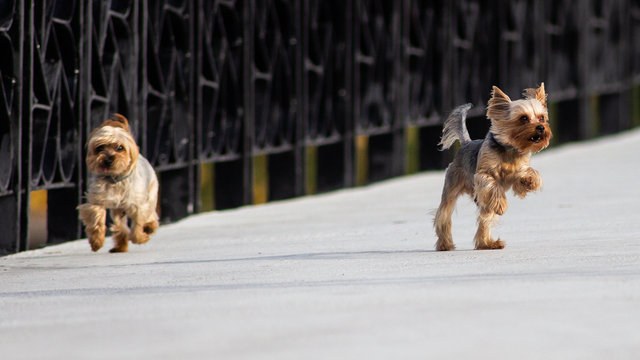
x: 353, y: 275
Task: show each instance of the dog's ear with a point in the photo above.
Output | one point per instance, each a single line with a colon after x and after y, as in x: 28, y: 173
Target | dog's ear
x: 538, y: 94
x: 117, y: 120
x: 499, y: 106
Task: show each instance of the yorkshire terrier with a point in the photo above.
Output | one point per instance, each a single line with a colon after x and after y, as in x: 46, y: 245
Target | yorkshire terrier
x: 123, y: 181
x: 486, y: 169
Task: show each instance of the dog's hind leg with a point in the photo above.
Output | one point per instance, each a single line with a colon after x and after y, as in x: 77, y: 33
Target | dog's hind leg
x: 453, y: 188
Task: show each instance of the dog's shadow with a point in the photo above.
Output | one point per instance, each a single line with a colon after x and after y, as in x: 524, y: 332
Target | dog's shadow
x: 342, y: 255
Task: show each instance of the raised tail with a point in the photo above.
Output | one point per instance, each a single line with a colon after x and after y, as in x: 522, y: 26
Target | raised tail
x: 455, y: 128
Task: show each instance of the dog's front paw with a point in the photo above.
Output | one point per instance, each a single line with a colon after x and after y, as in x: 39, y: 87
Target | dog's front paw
x: 491, y: 245
x: 96, y: 241
x: 119, y: 249
x: 442, y: 245
x: 139, y: 237
x: 526, y: 185
x: 530, y: 183
x: 95, y: 247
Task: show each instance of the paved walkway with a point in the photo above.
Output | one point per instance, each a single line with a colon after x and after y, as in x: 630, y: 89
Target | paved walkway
x: 353, y: 275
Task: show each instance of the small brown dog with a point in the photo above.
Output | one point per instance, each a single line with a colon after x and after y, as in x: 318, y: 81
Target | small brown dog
x: 123, y: 181
x: 486, y: 169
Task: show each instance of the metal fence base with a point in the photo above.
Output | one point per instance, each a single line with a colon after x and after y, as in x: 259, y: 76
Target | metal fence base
x: 284, y: 98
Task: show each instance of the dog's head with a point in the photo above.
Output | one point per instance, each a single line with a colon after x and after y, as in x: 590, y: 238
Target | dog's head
x: 522, y: 124
x: 111, y: 149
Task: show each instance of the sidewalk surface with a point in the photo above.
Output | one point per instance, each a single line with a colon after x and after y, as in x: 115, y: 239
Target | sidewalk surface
x: 353, y: 275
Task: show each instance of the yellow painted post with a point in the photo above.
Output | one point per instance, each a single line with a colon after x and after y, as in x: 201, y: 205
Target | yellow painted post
x: 38, y: 219
x: 362, y: 159
x: 312, y: 169
x: 260, y: 179
x: 412, y: 156
x: 207, y: 190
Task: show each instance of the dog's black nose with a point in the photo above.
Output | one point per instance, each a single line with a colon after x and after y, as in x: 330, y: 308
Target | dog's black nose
x: 540, y: 128
x: 108, y: 162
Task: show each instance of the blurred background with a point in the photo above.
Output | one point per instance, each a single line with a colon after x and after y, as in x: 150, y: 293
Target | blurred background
x: 243, y: 102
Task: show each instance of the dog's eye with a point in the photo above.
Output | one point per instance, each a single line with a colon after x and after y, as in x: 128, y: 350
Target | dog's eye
x: 100, y: 148
x: 524, y: 119
x: 119, y: 148
x: 541, y: 118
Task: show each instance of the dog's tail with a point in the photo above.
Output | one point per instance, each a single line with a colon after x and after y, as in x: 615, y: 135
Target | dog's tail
x: 455, y: 128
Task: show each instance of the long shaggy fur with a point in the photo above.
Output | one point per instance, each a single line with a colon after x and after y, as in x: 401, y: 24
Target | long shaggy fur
x: 486, y: 169
x: 123, y: 181
x: 455, y: 128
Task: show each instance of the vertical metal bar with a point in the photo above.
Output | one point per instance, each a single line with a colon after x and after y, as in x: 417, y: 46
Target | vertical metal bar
x: 192, y: 158
x: 349, y: 127
x: 10, y: 204
x: 197, y: 27
x: 451, y: 58
x: 399, y: 106
x: 303, y: 89
x: 143, y: 57
x: 247, y: 153
x: 586, y: 128
x: 300, y: 144
x: 355, y: 81
x: 26, y: 122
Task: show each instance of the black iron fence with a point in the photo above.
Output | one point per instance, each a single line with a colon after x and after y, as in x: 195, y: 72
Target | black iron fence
x: 271, y: 99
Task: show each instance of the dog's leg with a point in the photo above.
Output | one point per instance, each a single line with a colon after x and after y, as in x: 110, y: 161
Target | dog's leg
x: 442, y: 221
x: 94, y: 217
x: 120, y: 230
x: 483, y: 238
x: 152, y: 223
x: 138, y: 235
x: 492, y: 202
x: 150, y: 227
x: 488, y: 193
x: 527, y: 181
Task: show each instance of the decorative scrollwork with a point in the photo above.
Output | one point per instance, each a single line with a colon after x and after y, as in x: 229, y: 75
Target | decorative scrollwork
x: 606, y: 36
x: 423, y: 53
x: 474, y: 52
x: 274, y: 75
x: 55, y: 97
x: 324, y: 63
x: 520, y: 55
x: 168, y: 90
x: 634, y: 54
x: 10, y: 64
x: 375, y: 79
x: 221, y: 80
x: 113, y: 62
x: 562, y: 45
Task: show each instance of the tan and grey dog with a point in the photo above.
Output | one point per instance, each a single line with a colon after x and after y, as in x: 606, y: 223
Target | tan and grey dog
x: 123, y: 181
x: 486, y: 169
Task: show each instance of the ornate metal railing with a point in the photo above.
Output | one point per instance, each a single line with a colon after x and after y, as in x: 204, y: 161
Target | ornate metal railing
x: 286, y: 97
